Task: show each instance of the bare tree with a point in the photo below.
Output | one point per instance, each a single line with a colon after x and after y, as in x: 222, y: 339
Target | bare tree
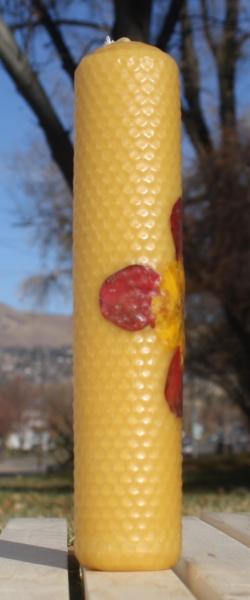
x: 218, y: 223
x: 58, y: 415
x: 217, y: 196
x: 29, y: 86
x: 15, y: 398
x: 6, y: 419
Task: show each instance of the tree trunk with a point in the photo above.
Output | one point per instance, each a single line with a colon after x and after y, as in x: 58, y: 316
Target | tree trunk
x: 132, y: 19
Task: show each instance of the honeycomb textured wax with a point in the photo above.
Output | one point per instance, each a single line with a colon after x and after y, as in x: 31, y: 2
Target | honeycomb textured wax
x: 128, y: 289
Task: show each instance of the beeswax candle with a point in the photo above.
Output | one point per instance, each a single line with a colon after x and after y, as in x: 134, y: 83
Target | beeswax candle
x: 128, y: 289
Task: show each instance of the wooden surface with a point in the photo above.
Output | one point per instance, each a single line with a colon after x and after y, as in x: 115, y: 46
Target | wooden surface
x: 215, y: 564
x: 34, y: 560
x: 235, y: 525
x: 159, y: 585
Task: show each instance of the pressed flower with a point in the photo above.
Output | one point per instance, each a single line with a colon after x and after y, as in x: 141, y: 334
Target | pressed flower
x: 168, y: 307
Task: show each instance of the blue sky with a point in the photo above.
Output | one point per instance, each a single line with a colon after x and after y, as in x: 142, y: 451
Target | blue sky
x: 18, y: 260
x: 20, y: 257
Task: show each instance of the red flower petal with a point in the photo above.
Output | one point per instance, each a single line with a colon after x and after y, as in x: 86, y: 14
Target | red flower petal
x: 125, y: 297
x: 176, y: 227
x: 173, y: 388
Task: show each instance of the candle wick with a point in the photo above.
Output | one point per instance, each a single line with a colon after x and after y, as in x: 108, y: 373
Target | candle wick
x: 108, y: 40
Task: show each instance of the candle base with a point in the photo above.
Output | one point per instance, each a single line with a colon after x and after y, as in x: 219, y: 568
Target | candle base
x: 100, y: 558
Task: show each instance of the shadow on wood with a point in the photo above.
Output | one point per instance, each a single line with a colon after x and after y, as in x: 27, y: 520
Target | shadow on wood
x: 33, y: 554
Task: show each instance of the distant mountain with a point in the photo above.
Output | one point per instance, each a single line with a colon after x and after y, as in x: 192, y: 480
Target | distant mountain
x: 30, y: 329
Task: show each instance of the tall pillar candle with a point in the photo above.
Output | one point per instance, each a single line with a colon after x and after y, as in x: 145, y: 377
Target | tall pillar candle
x: 128, y: 323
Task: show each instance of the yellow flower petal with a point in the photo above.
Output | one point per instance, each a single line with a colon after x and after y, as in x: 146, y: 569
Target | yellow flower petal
x: 168, y: 307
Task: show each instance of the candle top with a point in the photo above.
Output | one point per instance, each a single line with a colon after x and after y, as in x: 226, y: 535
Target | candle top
x: 125, y: 47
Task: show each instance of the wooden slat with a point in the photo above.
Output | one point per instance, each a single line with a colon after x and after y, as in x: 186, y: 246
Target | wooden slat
x: 158, y: 585
x: 213, y: 565
x: 34, y: 560
x: 237, y: 525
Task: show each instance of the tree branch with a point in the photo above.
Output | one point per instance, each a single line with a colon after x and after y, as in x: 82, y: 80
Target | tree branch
x: 28, y: 85
x: 206, y: 26
x: 169, y: 24
x: 60, y: 22
x: 54, y: 32
x: 196, y: 131
x: 228, y: 51
x: 132, y: 19
x: 193, y: 117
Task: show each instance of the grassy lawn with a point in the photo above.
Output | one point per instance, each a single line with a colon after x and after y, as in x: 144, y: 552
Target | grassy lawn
x: 210, y: 483
x: 216, y: 483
